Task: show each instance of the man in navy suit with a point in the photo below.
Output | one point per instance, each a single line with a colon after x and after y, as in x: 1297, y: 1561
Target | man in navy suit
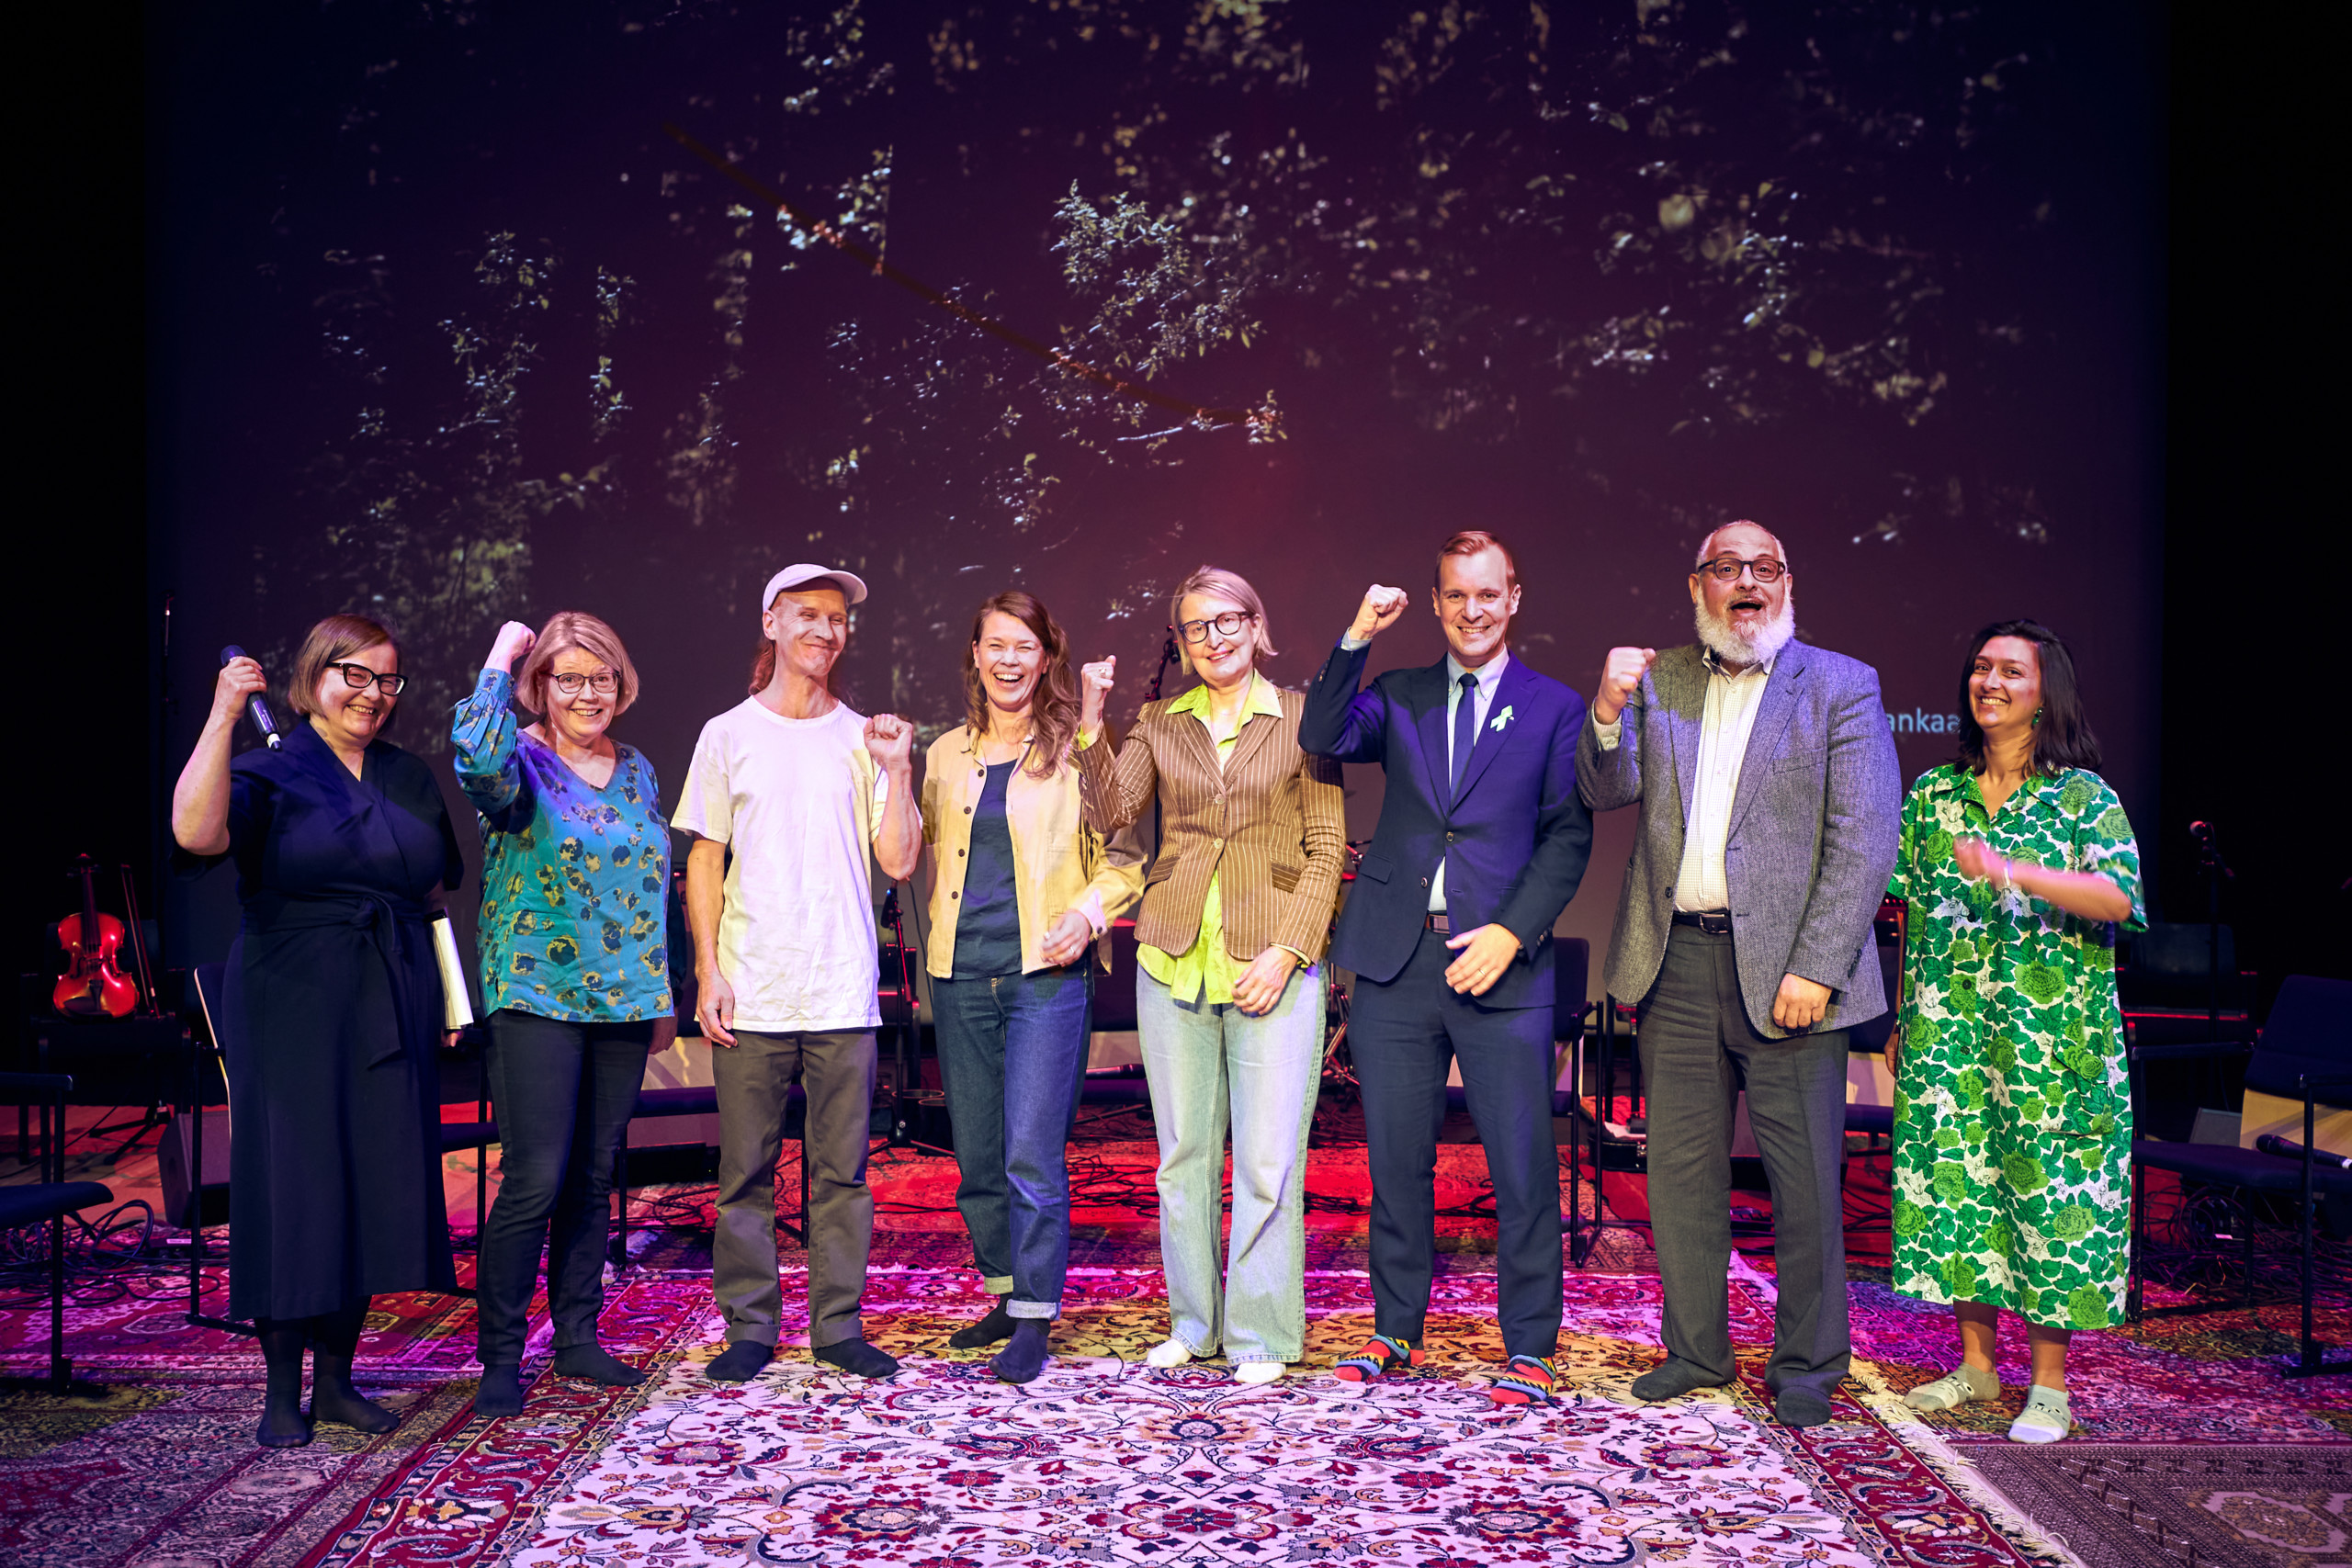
x: 1448, y: 928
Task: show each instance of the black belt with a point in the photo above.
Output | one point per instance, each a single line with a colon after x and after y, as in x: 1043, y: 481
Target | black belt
x: 1713, y: 922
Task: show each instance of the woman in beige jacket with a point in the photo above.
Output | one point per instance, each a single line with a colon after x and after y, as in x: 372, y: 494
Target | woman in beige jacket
x: 1021, y: 888
x: 1237, y: 910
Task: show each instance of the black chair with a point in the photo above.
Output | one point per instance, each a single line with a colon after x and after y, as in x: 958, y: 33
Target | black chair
x: 2304, y: 1052
x: 49, y: 1199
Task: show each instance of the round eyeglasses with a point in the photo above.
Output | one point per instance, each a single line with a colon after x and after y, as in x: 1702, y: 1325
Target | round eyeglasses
x: 1726, y: 568
x: 1229, y: 625
x: 360, y: 675
x: 604, y: 682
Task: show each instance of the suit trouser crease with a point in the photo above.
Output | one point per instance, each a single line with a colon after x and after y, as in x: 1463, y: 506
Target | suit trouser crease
x: 562, y: 1093
x: 1403, y: 1035
x: 1698, y: 1048
x: 1012, y: 1053
x: 836, y: 1070
x: 1214, y: 1068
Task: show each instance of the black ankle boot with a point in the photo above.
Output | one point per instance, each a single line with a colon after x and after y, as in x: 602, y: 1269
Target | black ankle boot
x: 283, y: 1424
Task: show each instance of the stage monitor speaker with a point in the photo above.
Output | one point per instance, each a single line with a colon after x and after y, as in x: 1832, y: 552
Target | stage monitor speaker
x: 176, y: 1154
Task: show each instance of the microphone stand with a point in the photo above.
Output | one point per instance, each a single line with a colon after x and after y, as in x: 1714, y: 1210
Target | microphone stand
x: 902, y: 1071
x: 2217, y: 870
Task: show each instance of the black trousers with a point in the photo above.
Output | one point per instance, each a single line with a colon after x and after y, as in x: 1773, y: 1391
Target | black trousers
x: 1403, y: 1035
x: 1698, y: 1050
x: 563, y: 1094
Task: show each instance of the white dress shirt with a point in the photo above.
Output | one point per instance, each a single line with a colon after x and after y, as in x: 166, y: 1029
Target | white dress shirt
x: 1731, y: 699
x: 1489, y: 675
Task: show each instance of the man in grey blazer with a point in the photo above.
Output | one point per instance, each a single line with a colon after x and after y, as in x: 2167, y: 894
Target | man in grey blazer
x: 1771, y: 802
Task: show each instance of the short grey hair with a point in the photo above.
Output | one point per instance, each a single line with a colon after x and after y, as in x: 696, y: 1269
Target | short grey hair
x: 1707, y: 544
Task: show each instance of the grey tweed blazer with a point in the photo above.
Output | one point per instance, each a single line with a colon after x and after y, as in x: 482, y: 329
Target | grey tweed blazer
x: 1813, y: 827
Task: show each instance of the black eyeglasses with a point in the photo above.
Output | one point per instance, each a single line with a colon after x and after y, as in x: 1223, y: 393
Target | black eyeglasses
x: 1229, y: 625
x: 604, y: 682
x: 360, y: 675
x: 1726, y: 568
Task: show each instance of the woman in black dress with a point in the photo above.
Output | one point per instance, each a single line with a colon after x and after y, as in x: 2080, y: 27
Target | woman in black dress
x: 331, y: 1013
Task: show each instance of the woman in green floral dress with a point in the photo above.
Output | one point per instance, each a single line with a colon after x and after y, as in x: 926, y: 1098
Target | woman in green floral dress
x: 2013, y: 1119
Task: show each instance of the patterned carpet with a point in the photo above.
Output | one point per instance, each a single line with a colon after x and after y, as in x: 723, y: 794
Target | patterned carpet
x: 1106, y: 1461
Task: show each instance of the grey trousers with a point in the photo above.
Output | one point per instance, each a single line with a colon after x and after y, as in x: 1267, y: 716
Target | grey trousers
x: 836, y: 1069
x: 1698, y: 1048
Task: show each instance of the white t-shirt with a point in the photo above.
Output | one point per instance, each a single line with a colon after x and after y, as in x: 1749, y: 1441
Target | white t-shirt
x: 798, y: 801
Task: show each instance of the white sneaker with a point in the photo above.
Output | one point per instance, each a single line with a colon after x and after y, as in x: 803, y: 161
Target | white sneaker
x: 1259, y: 1371
x: 1168, y: 1353
x: 2044, y: 1419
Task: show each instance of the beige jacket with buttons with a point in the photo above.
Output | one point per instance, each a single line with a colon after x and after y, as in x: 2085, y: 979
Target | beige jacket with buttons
x: 1057, y: 860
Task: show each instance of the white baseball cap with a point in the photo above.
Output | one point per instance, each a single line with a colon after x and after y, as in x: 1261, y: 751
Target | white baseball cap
x: 852, y: 586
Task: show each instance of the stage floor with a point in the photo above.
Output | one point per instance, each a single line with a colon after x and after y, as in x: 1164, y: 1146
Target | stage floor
x: 1105, y: 1460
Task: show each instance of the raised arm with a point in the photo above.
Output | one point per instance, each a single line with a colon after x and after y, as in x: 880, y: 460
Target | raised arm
x: 897, y: 836
x: 1114, y: 788
x: 1609, y: 744
x: 200, y: 799
x: 482, y: 732
x: 1340, y: 721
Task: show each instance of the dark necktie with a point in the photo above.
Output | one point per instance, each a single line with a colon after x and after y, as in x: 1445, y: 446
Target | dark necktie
x: 1466, y: 732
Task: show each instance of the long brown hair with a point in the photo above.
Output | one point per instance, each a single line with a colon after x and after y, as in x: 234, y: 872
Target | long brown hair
x: 1053, y: 707
x: 2062, y: 731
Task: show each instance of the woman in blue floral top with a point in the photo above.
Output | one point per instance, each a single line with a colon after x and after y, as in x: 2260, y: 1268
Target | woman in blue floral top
x: 2013, y: 1116
x: 575, y: 975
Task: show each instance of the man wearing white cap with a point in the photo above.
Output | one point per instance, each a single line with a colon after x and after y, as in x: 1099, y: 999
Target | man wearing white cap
x: 786, y: 793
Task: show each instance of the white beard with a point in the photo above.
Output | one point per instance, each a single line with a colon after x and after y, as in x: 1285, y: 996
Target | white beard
x: 1733, y: 646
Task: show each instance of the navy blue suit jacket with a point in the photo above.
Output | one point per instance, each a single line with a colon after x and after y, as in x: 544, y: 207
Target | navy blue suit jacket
x: 1514, y: 845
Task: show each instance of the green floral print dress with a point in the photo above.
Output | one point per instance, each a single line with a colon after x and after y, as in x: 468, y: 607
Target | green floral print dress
x: 2012, y: 1107
x: 575, y: 879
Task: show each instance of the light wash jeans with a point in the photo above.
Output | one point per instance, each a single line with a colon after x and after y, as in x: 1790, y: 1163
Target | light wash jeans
x: 1208, y: 1066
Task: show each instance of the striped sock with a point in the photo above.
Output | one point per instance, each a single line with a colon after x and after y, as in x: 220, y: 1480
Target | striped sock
x: 1529, y: 1380
x: 1380, y: 1356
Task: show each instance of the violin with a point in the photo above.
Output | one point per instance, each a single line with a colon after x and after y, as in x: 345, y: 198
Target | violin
x: 92, y: 985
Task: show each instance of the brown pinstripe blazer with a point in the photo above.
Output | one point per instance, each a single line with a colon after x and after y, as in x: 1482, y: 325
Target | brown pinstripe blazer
x: 1273, y: 821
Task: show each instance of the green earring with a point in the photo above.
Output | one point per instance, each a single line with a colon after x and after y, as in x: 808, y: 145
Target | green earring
x: 2037, y: 717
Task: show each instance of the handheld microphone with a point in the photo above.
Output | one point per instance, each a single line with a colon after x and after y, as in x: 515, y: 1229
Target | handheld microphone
x: 2202, y: 832
x: 256, y: 709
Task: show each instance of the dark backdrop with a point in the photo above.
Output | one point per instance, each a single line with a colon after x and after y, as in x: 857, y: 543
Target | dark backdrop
x: 442, y: 325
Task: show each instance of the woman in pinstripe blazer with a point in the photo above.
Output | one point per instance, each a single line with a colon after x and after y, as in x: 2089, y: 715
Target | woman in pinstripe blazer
x: 1237, y: 910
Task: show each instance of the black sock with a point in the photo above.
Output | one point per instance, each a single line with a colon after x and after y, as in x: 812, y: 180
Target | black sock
x: 500, y: 1391
x: 597, y: 1365
x: 283, y: 1424
x: 996, y: 1326
x: 739, y: 1362
x: 856, y: 1356
x: 1025, y: 1357
x: 335, y: 1338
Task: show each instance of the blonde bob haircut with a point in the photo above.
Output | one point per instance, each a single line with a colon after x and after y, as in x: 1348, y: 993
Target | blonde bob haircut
x: 567, y: 630
x: 332, y: 642
x: 1225, y: 584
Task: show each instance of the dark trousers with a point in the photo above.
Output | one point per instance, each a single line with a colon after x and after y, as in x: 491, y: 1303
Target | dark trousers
x: 836, y: 1069
x: 563, y: 1094
x: 1698, y: 1048
x: 1402, y: 1035
x: 1011, y: 1049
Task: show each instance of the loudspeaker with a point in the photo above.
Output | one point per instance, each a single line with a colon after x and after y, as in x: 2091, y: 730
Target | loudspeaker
x: 177, y: 1153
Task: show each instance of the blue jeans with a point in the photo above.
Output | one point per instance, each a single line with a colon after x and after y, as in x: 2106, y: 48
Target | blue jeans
x: 1210, y: 1065
x: 1012, y: 1049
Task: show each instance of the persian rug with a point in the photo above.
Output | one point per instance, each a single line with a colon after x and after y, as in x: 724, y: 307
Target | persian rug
x: 2136, y: 1506
x: 1105, y: 1460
